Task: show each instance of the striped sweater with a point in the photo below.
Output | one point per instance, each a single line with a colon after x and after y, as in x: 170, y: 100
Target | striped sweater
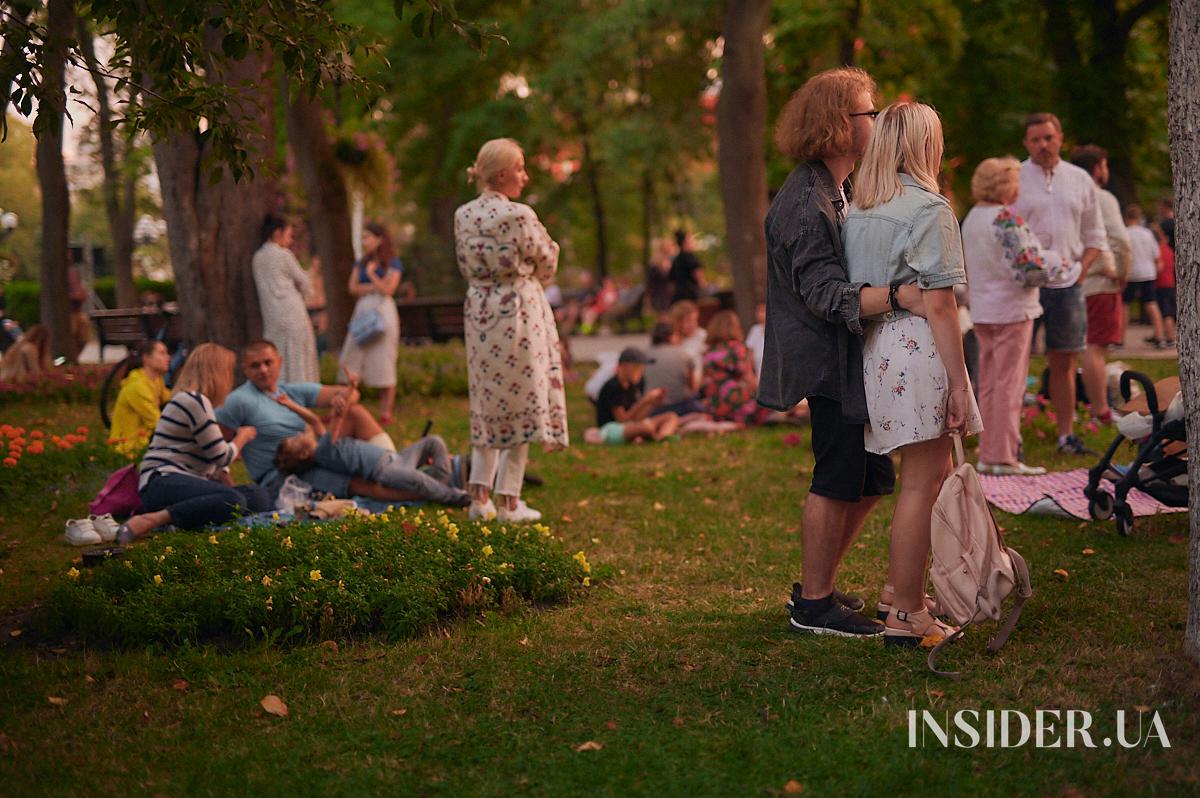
x: 187, y: 440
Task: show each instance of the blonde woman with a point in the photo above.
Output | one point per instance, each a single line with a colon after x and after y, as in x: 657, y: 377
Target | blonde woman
x: 183, y: 478
x: 902, y: 231
x: 514, y: 368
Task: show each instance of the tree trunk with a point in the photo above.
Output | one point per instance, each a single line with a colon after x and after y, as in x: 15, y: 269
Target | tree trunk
x: 1183, y: 115
x: 116, y: 181
x: 328, y: 207
x: 741, y: 156
x: 592, y: 171
x: 214, y: 229
x: 52, y: 176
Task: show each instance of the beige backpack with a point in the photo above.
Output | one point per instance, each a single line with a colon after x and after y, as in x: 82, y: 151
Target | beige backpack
x: 973, y: 571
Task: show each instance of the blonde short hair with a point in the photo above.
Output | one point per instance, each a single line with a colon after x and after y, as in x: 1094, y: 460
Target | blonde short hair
x: 494, y: 156
x: 815, y: 121
x: 996, y: 179
x: 908, y: 139
x: 208, y: 370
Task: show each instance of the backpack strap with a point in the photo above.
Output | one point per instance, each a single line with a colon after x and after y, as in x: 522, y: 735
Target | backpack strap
x: 931, y: 660
x: 1024, y: 591
x: 959, y: 457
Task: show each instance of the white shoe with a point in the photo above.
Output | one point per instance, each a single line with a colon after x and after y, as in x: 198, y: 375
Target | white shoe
x: 521, y: 514
x: 80, y: 532
x: 106, y: 527
x: 1006, y: 470
x: 482, y: 512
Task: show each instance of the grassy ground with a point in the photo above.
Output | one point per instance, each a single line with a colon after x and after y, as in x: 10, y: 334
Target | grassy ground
x: 680, y: 668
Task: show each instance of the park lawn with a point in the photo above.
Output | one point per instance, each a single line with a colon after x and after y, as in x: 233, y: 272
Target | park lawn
x: 679, y: 668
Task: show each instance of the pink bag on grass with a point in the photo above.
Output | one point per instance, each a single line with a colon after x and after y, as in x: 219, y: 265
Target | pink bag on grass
x: 119, y: 495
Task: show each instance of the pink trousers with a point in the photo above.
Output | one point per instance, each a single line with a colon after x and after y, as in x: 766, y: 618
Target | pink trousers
x: 1003, y: 367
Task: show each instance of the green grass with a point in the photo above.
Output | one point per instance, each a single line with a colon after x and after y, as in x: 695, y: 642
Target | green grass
x: 679, y: 665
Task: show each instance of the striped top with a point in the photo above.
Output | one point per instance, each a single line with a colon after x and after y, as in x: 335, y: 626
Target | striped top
x: 187, y: 440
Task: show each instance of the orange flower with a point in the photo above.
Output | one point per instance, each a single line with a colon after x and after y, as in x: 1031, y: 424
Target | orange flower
x: 10, y: 461
x: 37, y: 434
x: 82, y: 430
x: 37, y: 447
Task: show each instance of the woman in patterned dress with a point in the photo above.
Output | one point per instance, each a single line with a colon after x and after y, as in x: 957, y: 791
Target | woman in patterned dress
x: 373, y: 282
x: 514, y: 369
x: 729, y: 386
x: 282, y: 288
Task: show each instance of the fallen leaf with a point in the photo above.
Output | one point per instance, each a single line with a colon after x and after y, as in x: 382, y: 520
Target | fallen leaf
x: 931, y: 640
x: 1062, y: 574
x: 524, y: 641
x: 791, y: 439
x: 274, y: 706
x: 678, y: 721
x: 611, y: 725
x: 1175, y: 539
x: 590, y: 745
x: 15, y: 633
x: 937, y: 693
x: 58, y: 650
x: 57, y: 701
x: 660, y: 506
x: 1141, y: 708
x: 582, y: 502
x: 181, y: 685
x: 87, y: 678
x: 1089, y: 551
x: 566, y: 519
x: 793, y: 787
x: 330, y: 645
x: 399, y: 713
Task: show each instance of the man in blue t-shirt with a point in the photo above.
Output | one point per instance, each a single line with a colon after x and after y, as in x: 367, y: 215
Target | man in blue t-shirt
x: 253, y: 403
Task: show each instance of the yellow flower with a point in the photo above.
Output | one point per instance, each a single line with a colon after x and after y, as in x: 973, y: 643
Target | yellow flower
x: 158, y: 580
x: 212, y: 539
x: 241, y: 535
x: 542, y: 529
x: 486, y: 532
x: 128, y: 564
x: 274, y: 516
x: 270, y: 603
x: 587, y: 581
x: 169, y: 550
x: 583, y: 563
x: 487, y: 551
x: 314, y: 576
x: 266, y: 580
x: 287, y: 542
x: 73, y: 573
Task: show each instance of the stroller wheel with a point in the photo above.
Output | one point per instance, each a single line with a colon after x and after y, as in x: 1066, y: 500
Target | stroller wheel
x: 1100, y: 506
x: 1125, y: 523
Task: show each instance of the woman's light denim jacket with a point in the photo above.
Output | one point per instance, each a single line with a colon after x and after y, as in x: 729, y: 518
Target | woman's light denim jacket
x: 813, y: 343
x: 911, y: 238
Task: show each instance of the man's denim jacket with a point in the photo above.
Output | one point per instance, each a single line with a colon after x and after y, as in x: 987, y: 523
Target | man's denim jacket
x: 813, y: 341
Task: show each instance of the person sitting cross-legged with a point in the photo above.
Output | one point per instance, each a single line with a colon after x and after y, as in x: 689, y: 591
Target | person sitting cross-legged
x: 623, y: 409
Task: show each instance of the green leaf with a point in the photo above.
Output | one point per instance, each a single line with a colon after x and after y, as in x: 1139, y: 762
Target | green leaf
x: 398, y: 7
x: 418, y: 24
x: 235, y: 45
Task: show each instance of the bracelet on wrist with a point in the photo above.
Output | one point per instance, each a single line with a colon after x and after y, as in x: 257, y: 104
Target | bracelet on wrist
x: 892, y: 299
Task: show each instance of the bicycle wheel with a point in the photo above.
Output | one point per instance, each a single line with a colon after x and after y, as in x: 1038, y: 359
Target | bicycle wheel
x: 111, y: 387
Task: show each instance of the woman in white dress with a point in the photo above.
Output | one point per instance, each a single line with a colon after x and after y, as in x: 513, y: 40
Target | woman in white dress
x: 902, y: 231
x: 374, y: 280
x: 514, y: 368
x: 283, y: 288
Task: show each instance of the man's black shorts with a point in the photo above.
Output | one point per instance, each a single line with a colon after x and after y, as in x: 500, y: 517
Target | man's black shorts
x: 845, y: 470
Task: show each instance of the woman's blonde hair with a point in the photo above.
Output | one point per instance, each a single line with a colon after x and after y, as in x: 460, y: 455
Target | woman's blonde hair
x: 815, y: 121
x: 723, y: 327
x: 494, y: 156
x: 908, y: 139
x: 995, y: 179
x: 208, y: 370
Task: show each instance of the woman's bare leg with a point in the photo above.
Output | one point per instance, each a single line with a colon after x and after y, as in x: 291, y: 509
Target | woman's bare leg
x: 923, y: 468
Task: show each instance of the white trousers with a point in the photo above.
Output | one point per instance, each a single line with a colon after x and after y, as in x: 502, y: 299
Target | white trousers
x: 502, y: 468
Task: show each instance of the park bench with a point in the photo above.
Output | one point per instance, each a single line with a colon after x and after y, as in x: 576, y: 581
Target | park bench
x: 128, y: 327
x: 437, y: 319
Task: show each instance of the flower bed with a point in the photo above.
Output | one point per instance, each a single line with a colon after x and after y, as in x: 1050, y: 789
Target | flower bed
x: 397, y: 572
x: 33, y: 460
x: 59, y: 384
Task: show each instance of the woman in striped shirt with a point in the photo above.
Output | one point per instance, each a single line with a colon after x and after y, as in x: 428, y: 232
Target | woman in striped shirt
x: 184, y: 477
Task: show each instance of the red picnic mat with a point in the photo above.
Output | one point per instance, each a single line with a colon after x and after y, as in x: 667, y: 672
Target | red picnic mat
x: 1017, y: 495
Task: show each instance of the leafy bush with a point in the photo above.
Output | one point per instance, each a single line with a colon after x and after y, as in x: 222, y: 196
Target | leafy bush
x: 33, y: 461
x: 426, y: 370
x: 79, y: 383
x: 396, y: 572
x: 23, y: 295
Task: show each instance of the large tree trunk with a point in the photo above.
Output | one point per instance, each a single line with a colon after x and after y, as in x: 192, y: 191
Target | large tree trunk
x: 591, y: 171
x: 56, y: 201
x: 741, y: 156
x: 214, y: 229
x: 117, y: 183
x: 1183, y: 114
x: 328, y: 207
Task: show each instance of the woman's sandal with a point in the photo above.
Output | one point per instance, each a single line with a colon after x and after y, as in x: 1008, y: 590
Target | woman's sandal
x: 882, y: 610
x: 917, y: 627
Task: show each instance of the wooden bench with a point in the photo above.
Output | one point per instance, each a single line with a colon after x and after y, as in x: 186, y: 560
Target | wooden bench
x: 129, y: 327
x: 437, y: 319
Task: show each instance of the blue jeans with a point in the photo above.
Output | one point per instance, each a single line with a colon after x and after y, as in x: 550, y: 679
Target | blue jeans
x: 194, y: 502
x: 399, y: 470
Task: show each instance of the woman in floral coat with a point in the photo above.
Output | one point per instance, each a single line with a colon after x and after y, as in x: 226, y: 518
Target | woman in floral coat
x: 513, y: 365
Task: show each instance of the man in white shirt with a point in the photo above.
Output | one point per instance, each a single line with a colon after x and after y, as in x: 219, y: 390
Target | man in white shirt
x: 1058, y: 200
x: 1102, y: 283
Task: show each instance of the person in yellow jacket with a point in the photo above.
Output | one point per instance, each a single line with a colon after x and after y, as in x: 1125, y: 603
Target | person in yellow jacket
x: 143, y: 393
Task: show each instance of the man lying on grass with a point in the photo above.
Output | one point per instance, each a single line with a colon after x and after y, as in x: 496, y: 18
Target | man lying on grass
x: 353, y: 468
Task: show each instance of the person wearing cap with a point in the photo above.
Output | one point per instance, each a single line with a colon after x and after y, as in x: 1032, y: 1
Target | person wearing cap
x: 623, y: 407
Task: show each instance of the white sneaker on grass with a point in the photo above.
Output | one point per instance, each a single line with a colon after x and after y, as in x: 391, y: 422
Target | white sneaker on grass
x: 80, y: 532
x: 106, y: 527
x: 482, y: 512
x: 521, y: 514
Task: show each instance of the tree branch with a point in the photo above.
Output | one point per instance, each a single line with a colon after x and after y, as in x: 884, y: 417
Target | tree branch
x: 1131, y: 15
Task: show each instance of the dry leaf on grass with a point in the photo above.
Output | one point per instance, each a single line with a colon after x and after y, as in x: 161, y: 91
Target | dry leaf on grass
x: 793, y: 787
x: 590, y: 745
x: 330, y: 645
x: 1089, y: 551
x: 399, y: 713
x: 1175, y: 539
x: 274, y: 705
x: 181, y: 685
x: 57, y: 701
x: 1062, y: 574
x: 660, y: 506
x: 611, y: 725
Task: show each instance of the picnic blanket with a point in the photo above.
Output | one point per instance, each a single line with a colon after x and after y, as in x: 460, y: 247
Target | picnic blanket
x: 1059, y: 493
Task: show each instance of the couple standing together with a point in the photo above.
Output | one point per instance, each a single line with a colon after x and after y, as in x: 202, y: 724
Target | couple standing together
x: 862, y: 321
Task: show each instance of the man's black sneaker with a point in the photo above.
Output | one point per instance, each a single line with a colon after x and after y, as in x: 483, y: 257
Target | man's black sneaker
x: 836, y: 620
x: 847, y: 600
x: 1069, y: 444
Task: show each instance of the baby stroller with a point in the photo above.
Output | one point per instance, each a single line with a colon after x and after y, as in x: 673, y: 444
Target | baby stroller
x: 1160, y: 468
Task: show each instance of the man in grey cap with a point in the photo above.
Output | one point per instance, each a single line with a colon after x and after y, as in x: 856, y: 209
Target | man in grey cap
x: 623, y: 407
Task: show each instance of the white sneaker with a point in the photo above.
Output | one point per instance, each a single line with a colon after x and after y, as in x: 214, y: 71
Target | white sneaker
x: 106, y: 527
x: 1006, y: 470
x: 482, y: 512
x: 80, y: 532
x: 521, y: 514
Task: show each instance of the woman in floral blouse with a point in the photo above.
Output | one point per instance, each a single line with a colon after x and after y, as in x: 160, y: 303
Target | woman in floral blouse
x: 1005, y: 267
x: 728, y: 385
x: 514, y: 369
